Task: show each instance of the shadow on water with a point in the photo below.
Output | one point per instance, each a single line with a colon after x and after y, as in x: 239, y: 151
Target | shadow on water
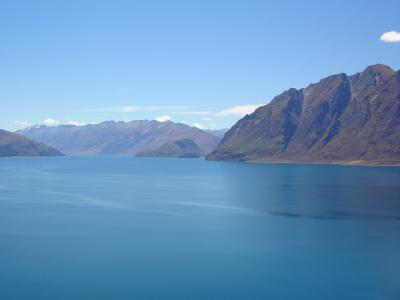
x: 337, y: 215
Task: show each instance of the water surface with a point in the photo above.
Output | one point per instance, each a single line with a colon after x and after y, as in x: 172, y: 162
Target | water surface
x: 118, y: 227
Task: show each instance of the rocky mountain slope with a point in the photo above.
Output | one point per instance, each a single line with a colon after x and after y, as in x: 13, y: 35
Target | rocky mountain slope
x: 346, y: 119
x: 119, y: 137
x: 12, y: 144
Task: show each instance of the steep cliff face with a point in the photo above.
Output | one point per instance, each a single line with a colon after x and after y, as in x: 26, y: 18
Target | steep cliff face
x: 12, y: 144
x: 339, y: 119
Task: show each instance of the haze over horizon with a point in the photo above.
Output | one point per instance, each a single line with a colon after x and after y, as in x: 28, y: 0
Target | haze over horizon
x: 205, y: 64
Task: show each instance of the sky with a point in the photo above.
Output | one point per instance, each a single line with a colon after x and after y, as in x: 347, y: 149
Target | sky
x: 205, y: 63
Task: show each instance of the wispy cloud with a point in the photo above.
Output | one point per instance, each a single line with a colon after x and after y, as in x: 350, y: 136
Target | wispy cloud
x: 51, y: 122
x: 163, y: 118
x: 196, y: 113
x: 129, y: 108
x: 390, y: 37
x: 239, y: 110
x: 76, y: 123
x: 134, y: 108
x: 199, y: 126
x: 22, y: 123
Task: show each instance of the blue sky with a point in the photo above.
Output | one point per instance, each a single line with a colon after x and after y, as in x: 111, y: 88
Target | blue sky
x: 200, y: 62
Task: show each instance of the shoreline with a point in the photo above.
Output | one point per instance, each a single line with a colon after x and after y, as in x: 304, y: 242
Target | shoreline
x: 363, y: 164
x: 354, y: 163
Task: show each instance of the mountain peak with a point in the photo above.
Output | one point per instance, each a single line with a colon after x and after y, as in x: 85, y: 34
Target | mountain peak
x: 378, y: 73
x: 339, y: 119
x: 379, y: 68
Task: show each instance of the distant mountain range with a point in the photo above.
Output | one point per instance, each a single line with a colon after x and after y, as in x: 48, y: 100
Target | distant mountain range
x: 149, y: 138
x: 12, y: 144
x: 217, y: 132
x: 344, y: 119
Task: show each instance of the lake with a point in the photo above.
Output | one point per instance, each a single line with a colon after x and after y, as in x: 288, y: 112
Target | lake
x: 119, y: 227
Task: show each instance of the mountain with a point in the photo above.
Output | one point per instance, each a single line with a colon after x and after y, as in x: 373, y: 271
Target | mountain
x: 182, y: 148
x: 343, y: 119
x: 12, y: 144
x: 119, y: 137
x: 217, y: 132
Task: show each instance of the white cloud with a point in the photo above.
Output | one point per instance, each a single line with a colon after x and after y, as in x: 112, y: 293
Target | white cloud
x: 51, y: 122
x: 239, y: 110
x: 76, y: 123
x: 22, y: 123
x: 390, y: 37
x: 198, y: 125
x: 163, y: 118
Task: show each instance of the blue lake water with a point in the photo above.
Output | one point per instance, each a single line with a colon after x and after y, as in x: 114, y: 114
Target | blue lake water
x: 118, y: 227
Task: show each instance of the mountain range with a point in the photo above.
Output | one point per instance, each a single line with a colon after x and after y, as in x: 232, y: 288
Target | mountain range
x: 12, y: 144
x: 149, y: 138
x: 340, y: 119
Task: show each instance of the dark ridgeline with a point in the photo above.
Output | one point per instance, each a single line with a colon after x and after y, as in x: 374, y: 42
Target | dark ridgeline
x: 342, y: 118
x: 151, y: 137
x: 12, y: 144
